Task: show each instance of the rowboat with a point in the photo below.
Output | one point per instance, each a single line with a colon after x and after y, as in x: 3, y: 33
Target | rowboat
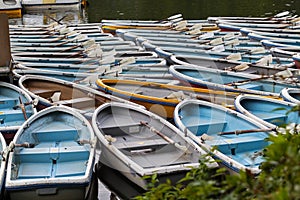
x: 283, y: 35
x: 139, y: 143
x: 111, y: 27
x: 52, y: 156
x: 277, y: 18
x: 12, y: 8
x: 16, y: 106
x: 88, y: 79
x: 43, y: 28
x: 267, y: 111
x: 236, y: 27
x: 119, y: 49
x: 291, y: 95
x: 161, y: 98
x: 266, y: 65
x: 81, y: 53
x: 3, y: 161
x: 229, y: 81
x: 223, y: 132
x: 50, y: 91
x: 284, y: 41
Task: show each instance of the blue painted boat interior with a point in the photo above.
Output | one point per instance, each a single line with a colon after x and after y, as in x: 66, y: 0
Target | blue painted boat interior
x: 10, y: 116
x: 271, y: 112
x: 56, y: 152
x: 226, y: 78
x: 210, y: 121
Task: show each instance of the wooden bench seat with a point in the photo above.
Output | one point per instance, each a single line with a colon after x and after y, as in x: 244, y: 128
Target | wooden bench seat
x: 56, y: 135
x: 205, y: 125
x: 44, y: 92
x: 121, y: 129
x: 140, y: 144
x: 80, y: 102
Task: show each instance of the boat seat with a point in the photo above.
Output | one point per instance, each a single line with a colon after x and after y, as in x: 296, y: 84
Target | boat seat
x: 44, y: 92
x: 232, y: 146
x: 77, y: 102
x: 274, y: 118
x: 7, y: 102
x: 52, y: 162
x: 140, y: 144
x: 119, y: 130
x: 56, y: 135
x: 205, y: 125
x: 251, y: 86
x: 12, y: 115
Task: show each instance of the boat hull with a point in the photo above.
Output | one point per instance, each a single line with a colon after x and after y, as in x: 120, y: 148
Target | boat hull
x: 57, y: 161
x: 135, y: 151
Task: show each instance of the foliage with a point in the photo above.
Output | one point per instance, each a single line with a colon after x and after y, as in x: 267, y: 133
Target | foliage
x: 279, y: 178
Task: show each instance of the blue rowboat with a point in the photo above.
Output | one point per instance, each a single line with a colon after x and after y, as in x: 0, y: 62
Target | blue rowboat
x: 228, y: 81
x: 291, y: 95
x: 138, y: 143
x: 251, y: 66
x: 233, y: 138
x: 3, y: 161
x: 15, y: 107
x: 53, y: 156
x: 270, y: 112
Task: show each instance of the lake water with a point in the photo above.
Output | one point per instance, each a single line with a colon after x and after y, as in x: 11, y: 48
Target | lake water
x: 159, y: 9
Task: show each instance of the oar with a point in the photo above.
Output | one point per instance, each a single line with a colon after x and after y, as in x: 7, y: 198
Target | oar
x: 282, y: 14
x: 79, y: 38
x: 22, y: 106
x: 237, y: 132
x: 166, y: 138
x: 282, y: 74
x: 93, y: 51
x: 103, y: 71
x: 33, y: 102
x: 25, y: 145
x: 173, y: 17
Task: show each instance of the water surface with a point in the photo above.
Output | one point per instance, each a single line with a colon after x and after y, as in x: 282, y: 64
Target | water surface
x: 159, y: 9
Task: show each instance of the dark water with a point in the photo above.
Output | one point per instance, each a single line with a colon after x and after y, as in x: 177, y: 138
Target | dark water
x: 191, y: 9
x: 159, y: 9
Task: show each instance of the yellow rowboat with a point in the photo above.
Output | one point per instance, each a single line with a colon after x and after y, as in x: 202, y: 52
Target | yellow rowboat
x: 111, y: 28
x: 161, y: 98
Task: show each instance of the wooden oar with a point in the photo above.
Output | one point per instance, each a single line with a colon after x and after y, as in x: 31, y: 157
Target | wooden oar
x: 166, y: 138
x: 25, y: 145
x: 102, y: 71
x: 236, y: 83
x: 237, y: 132
x: 22, y: 106
x: 33, y: 102
x: 79, y: 38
